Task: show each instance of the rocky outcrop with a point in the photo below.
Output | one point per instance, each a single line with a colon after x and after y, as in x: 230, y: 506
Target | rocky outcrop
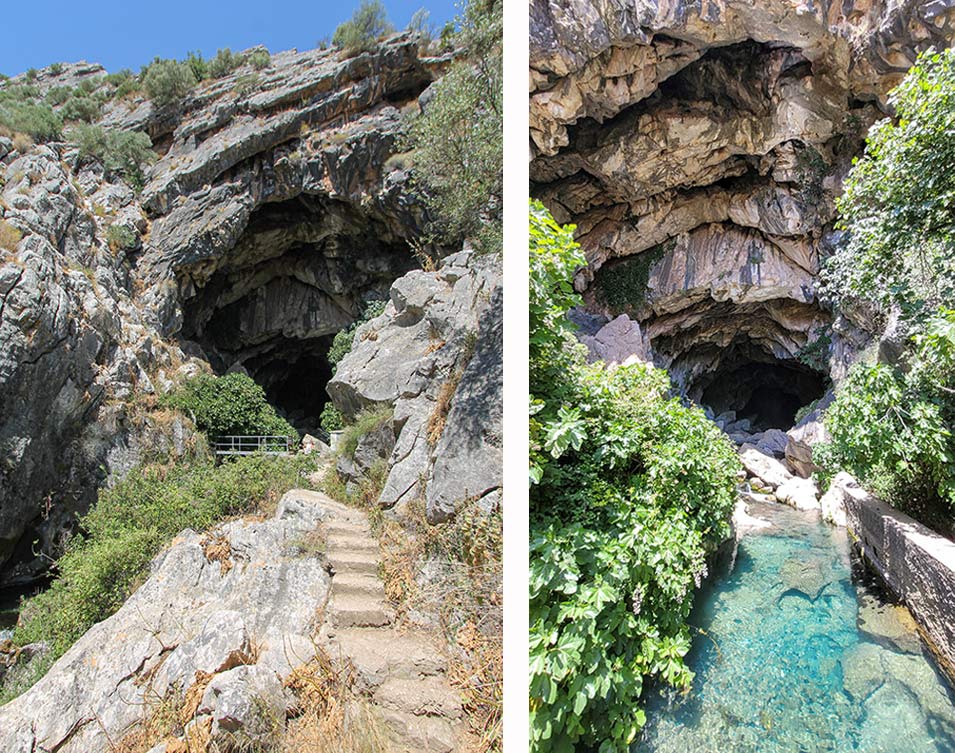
x: 272, y: 215
x: 229, y: 613
x: 699, y: 148
x: 435, y: 358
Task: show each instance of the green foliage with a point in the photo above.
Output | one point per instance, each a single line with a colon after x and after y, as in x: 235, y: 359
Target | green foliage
x: 622, y: 284
x: 32, y: 74
x: 224, y: 63
x: 168, y: 81
x: 80, y: 108
x: 128, y: 526
x: 125, y: 153
x: 361, y: 33
x: 344, y: 339
x: 420, y: 24
x: 896, y: 207
x: 815, y: 354
x: 331, y: 418
x: 56, y: 69
x: 892, y: 428
x: 458, y: 138
x: 123, y: 83
x: 22, y: 111
x: 228, y: 405
x: 365, y: 422
x: 630, y: 490
x: 120, y: 238
x: 260, y: 59
x: 58, y: 95
x: 198, y: 65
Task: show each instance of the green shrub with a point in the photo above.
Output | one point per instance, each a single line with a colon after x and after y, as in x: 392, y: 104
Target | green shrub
x: 361, y: 33
x: 19, y: 112
x: 342, y: 342
x: 630, y: 491
x: 80, y: 108
x: 125, y: 153
x: 120, y: 238
x: 420, y: 25
x: 899, y: 248
x: 458, y: 138
x: 58, y: 95
x: 260, y: 59
x: 32, y: 74
x: 198, y: 66
x: 130, y: 523
x: 332, y: 419
x: 56, y: 69
x: 168, y: 81
x: 367, y: 421
x: 123, y: 83
x: 224, y: 63
x: 228, y: 405
x: 892, y: 428
x: 622, y: 285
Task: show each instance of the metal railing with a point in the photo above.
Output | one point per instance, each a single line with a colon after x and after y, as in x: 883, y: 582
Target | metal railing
x: 251, y: 444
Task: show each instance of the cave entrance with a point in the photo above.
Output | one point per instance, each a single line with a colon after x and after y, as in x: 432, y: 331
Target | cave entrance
x: 302, y: 271
x: 766, y: 395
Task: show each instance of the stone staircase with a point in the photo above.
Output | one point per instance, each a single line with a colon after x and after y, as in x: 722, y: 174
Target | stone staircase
x: 403, y: 673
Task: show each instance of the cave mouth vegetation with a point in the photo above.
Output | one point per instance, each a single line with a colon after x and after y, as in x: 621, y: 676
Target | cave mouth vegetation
x: 303, y: 270
x: 768, y: 393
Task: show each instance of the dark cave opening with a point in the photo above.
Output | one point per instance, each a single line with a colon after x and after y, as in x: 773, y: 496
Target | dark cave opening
x: 302, y: 271
x: 766, y: 394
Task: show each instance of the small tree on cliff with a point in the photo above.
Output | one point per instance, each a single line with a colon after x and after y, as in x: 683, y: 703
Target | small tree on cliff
x: 367, y: 25
x: 458, y: 138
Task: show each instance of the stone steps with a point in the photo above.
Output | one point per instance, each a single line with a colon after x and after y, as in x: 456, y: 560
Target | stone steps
x: 358, y: 610
x: 354, y: 562
x: 403, y: 674
x: 359, y: 584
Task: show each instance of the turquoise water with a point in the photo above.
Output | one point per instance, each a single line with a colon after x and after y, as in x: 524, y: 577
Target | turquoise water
x: 802, y: 653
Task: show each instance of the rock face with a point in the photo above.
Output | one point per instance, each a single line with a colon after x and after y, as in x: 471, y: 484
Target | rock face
x: 272, y: 216
x: 434, y: 357
x: 234, y: 608
x: 699, y: 147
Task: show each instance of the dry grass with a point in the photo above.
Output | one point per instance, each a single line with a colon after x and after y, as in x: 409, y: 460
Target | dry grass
x: 464, y: 597
x: 162, y: 719
x: 442, y: 407
x: 328, y: 715
x: 22, y: 143
x: 217, y: 549
x: 9, y: 236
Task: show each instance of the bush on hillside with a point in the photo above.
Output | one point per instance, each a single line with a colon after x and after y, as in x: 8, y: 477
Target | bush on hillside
x: 458, y: 138
x: 361, y: 33
x: 892, y: 428
x: 224, y: 63
x: 899, y: 248
x: 228, y: 405
x: 130, y: 523
x: 631, y: 489
x: 168, y: 81
x: 80, y: 108
x: 344, y: 339
x: 20, y: 112
x: 125, y: 153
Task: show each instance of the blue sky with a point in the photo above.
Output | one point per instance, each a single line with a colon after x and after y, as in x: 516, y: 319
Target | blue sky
x: 129, y: 33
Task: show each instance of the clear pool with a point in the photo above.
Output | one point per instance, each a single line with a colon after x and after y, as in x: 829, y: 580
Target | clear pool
x: 799, y: 652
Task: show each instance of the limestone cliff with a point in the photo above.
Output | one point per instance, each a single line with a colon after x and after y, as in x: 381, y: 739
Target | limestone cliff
x: 272, y: 214
x: 699, y: 148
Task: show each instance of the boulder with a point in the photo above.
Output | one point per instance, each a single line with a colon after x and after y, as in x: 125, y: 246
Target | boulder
x: 247, y: 705
x: 833, y: 502
x: 764, y: 467
x: 801, y: 493
x: 617, y: 341
x: 191, y: 618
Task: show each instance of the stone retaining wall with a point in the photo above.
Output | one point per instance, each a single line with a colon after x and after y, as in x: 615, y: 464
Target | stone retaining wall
x: 917, y: 563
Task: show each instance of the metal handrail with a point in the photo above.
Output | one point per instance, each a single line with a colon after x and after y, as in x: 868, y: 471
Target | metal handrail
x: 249, y: 444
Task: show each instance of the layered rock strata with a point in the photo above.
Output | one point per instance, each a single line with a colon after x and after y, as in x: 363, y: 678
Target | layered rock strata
x: 698, y: 148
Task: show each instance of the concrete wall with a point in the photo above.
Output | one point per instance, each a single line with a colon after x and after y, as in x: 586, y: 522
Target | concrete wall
x: 917, y: 563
